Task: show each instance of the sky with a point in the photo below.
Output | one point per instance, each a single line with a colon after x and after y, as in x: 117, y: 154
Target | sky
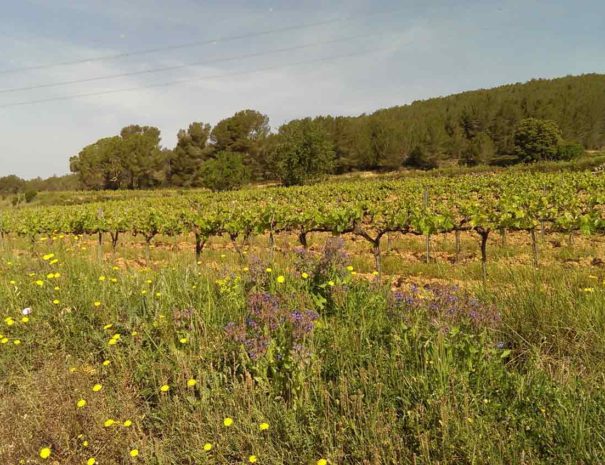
x: 75, y: 71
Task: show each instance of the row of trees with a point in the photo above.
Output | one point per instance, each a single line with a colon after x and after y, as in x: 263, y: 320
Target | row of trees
x: 237, y: 150
x: 508, y: 124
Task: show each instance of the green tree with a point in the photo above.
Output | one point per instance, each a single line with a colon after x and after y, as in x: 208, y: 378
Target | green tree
x: 302, y: 152
x: 536, y: 140
x: 226, y: 171
x: 141, y: 156
x: 245, y: 133
x: 420, y: 160
x: 187, y: 157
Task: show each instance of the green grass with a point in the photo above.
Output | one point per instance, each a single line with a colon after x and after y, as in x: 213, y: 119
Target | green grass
x: 378, y: 383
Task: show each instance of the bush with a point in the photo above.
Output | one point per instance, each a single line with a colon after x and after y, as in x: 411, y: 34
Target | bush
x: 536, y: 140
x: 225, y: 172
x: 30, y: 195
x: 569, y: 151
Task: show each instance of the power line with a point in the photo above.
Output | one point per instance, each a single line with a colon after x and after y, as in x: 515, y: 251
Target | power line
x: 183, y: 81
x: 185, y: 65
x: 198, y: 43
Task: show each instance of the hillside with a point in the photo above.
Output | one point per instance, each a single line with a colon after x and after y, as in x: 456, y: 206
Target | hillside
x: 476, y: 126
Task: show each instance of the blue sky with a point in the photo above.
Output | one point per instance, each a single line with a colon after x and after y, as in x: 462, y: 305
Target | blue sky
x: 387, y: 53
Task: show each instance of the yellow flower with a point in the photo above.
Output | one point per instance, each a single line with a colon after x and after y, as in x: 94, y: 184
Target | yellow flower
x: 97, y: 387
x: 228, y: 421
x: 109, y: 422
x: 45, y: 452
x: 183, y: 340
x: 56, y: 301
x: 158, y: 294
x: 91, y: 461
x: 40, y: 283
x: 588, y: 289
x: 281, y: 279
x: 322, y: 462
x: 134, y: 452
x: 4, y: 340
x: 57, y: 275
x: 165, y: 388
x: 331, y: 283
x: 81, y: 403
x: 191, y: 383
x: 207, y: 447
x: 97, y: 304
x: 134, y: 333
x: 252, y: 459
x: 350, y: 268
x: 9, y: 321
x: 269, y: 270
x: 84, y: 443
x: 53, y: 261
x: 127, y: 423
x: 305, y: 275
x: 12, y: 281
x: 107, y: 326
x: 106, y: 363
x: 25, y: 319
x: 72, y: 369
x: 112, y: 342
x: 17, y: 342
x: 48, y: 256
x: 102, y: 278
x: 263, y: 426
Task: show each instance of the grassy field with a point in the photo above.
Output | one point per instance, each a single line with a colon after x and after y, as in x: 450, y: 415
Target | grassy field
x: 285, y: 356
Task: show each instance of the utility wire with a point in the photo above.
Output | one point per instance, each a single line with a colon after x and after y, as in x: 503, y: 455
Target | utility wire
x: 186, y: 65
x: 202, y: 78
x: 199, y: 42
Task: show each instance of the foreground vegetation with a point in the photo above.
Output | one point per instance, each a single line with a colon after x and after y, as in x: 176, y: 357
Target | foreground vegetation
x: 304, y: 357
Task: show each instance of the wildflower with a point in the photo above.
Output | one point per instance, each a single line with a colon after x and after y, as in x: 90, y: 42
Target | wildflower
x: 45, y: 452
x: 12, y: 281
x: 97, y: 304
x: 263, y: 426
x: 165, y: 388
x: 305, y: 275
x: 72, y: 369
x: 53, y: 261
x: 269, y: 270
x: 252, y: 459
x: 207, y: 447
x: 228, y: 421
x: 127, y: 424
x: 91, y: 461
x: 9, y: 321
x: 106, y: 363
x: 56, y: 301
x: 4, y: 340
x: 134, y: 452
x: 183, y: 340
x: 108, y: 423
x: 191, y: 383
x: 48, y: 256
x: 331, y: 283
x: 588, y: 289
x: 81, y: 403
x: 107, y: 326
x: 322, y: 462
x: 281, y: 279
x: 26, y: 311
x: 134, y: 333
x: 102, y: 278
x: 40, y: 283
x: 375, y: 273
x: 349, y: 268
x: 158, y: 294
x: 97, y: 387
x: 17, y: 342
x: 25, y: 319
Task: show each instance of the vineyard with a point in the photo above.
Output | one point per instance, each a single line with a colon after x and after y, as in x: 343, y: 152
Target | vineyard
x: 425, y: 320
x: 561, y: 202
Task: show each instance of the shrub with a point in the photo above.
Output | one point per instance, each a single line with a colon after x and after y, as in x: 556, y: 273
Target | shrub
x: 225, y: 172
x: 569, y: 151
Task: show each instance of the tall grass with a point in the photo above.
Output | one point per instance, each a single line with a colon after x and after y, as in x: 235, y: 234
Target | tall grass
x: 508, y: 373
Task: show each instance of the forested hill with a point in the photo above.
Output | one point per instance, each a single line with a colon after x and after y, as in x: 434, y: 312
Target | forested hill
x: 474, y: 126
x: 545, y: 119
